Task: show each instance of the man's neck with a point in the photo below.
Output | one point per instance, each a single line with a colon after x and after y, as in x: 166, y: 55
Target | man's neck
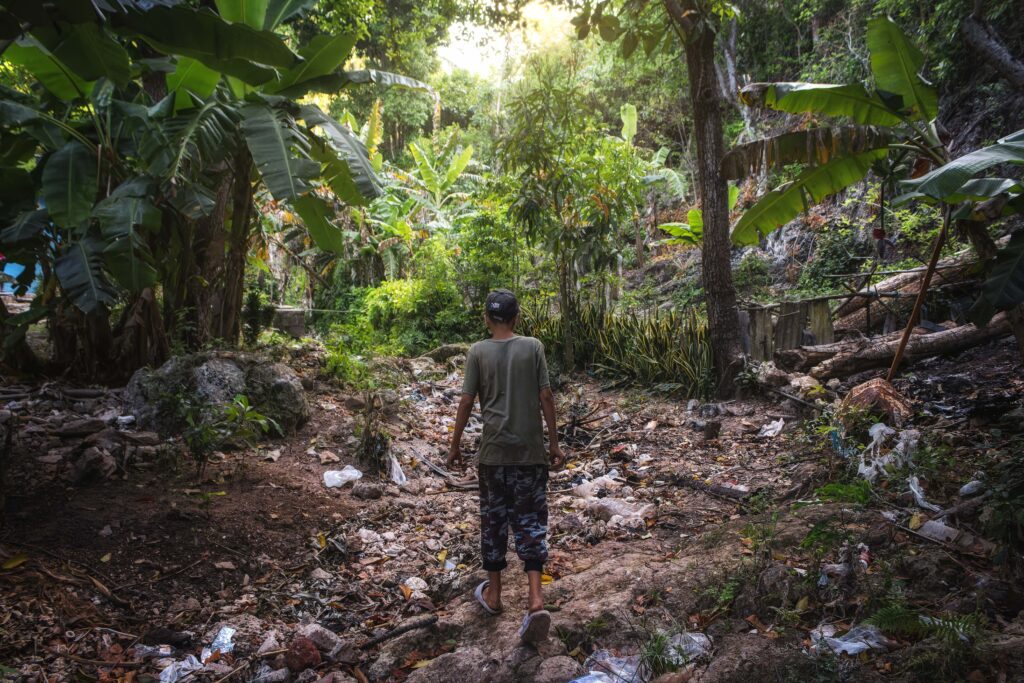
x: 500, y: 333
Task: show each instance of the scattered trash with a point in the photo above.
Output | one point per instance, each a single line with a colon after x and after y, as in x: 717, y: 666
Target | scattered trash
x: 915, y: 488
x: 973, y: 487
x: 612, y: 668
x: 688, y: 647
x: 180, y: 669
x: 873, y: 462
x: 369, y: 536
x: 589, y: 489
x: 937, y: 531
x: 772, y: 428
x: 272, y: 455
x: 414, y: 588
x: 397, y: 475
x: 338, y: 478
x: 221, y: 643
x: 858, y: 639
x: 594, y: 677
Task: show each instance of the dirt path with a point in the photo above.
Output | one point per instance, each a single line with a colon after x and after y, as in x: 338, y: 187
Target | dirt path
x: 150, y: 556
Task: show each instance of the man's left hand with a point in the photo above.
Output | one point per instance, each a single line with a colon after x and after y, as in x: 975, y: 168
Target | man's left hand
x: 557, y: 457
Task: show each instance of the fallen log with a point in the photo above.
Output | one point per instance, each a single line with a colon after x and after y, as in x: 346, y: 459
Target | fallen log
x: 845, y: 358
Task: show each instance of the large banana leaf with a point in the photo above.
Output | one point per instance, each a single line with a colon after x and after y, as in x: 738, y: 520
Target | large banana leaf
x: 1005, y: 286
x: 782, y: 205
x: 852, y: 101
x: 335, y: 172
x: 458, y: 165
x: 50, y: 71
x: 87, y: 49
x: 814, y: 147
x: 233, y: 49
x: 349, y: 147
x: 321, y: 56
x: 69, y: 184
x: 27, y: 226
x: 280, y: 11
x: 79, y: 269
x: 249, y: 12
x: 428, y: 174
x: 123, y: 217
x: 17, y: 191
x: 183, y: 145
x: 897, y: 64
x: 314, y: 212
x: 387, y: 78
x: 191, y: 76
x: 279, y: 149
x: 945, y: 181
x: 627, y: 113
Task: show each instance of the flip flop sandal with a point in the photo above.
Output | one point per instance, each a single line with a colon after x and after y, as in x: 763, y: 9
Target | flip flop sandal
x: 479, y: 595
x: 535, y: 627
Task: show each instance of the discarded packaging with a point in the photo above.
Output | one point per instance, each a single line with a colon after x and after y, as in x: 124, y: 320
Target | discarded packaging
x: 937, y: 531
x: 338, y: 478
x: 687, y: 647
x: 873, y: 462
x: 614, y: 668
x: 859, y: 639
x: 915, y: 488
x: 972, y: 487
x: 397, y: 475
x: 589, y: 489
x: 180, y: 669
x: 221, y: 643
x: 772, y: 428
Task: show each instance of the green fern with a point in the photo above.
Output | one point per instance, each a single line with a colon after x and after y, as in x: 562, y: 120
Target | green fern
x: 900, y: 620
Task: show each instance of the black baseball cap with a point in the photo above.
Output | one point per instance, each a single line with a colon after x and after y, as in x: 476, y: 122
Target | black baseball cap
x: 501, y: 306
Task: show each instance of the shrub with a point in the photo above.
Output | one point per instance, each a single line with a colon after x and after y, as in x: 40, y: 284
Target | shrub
x: 836, y: 251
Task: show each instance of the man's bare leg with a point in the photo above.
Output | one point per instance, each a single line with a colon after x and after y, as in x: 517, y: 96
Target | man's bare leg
x: 492, y: 594
x: 536, y: 600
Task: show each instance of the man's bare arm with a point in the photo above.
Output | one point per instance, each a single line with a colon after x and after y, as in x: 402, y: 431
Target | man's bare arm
x: 547, y: 404
x: 461, y: 420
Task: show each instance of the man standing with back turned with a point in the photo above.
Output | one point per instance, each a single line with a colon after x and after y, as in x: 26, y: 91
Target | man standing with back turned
x: 510, y: 375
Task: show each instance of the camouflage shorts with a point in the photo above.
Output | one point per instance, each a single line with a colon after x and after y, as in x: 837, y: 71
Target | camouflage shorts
x: 516, y: 495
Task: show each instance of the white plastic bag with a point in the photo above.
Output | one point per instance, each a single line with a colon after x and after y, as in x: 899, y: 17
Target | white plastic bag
x: 397, y: 475
x: 860, y: 638
x: 589, y: 489
x: 338, y: 478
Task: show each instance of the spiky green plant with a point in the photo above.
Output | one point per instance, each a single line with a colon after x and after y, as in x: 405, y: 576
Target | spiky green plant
x: 666, y: 350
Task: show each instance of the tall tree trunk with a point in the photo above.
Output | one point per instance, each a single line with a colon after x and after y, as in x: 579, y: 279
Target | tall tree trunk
x: 720, y: 294
x: 226, y: 321
x: 566, y: 292
x: 986, y: 43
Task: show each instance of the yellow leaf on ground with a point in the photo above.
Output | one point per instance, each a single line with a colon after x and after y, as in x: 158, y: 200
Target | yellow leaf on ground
x: 17, y: 560
x: 802, y: 603
x: 422, y: 663
x: 442, y: 556
x: 545, y: 579
x: 105, y: 558
x: 916, y: 521
x: 321, y: 538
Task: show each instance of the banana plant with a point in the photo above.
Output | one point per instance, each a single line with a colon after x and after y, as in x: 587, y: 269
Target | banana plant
x: 99, y: 176
x: 691, y: 232
x: 894, y: 115
x: 434, y: 179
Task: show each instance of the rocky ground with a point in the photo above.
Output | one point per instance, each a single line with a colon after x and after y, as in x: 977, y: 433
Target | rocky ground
x: 684, y: 536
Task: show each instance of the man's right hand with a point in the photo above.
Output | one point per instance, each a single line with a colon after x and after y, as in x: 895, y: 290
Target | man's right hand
x: 455, y: 456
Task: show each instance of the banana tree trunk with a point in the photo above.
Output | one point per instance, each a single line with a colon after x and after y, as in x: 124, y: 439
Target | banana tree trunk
x: 226, y: 322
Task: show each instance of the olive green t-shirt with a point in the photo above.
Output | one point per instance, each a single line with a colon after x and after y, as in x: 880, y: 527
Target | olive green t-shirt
x: 507, y: 375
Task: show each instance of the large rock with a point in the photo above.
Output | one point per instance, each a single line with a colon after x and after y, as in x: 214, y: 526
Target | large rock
x: 465, y: 664
x: 558, y: 670
x: 156, y: 396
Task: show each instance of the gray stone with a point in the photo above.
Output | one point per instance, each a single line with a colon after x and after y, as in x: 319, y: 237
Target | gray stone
x: 557, y: 670
x: 324, y: 639
x: 91, y: 465
x: 278, y: 392
x: 84, y: 427
x: 218, y: 381
x: 366, y: 491
x: 465, y: 664
x: 154, y: 396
